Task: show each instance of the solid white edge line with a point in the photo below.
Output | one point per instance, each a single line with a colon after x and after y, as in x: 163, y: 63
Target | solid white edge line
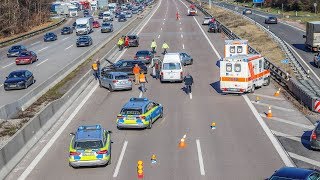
x: 200, y: 158
x: 7, y: 65
x: 42, y: 62
x: 282, y: 153
x: 124, y: 147
x: 65, y: 38
x: 37, y: 159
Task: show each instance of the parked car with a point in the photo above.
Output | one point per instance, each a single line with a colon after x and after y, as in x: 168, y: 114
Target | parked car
x: 84, y: 41
x: 15, y: 50
x: 133, y: 40
x: 293, y: 173
x: 106, y: 27
x: 206, y: 20
x: 50, y: 36
x: 20, y: 79
x: 66, y: 30
x: 125, y: 66
x: 315, y: 137
x: 214, y: 27
x: 186, y: 59
x: 271, y: 20
x: 122, y: 18
x: 247, y: 11
x: 100, y: 16
x: 135, y: 10
x: 85, y: 12
x: 117, y: 14
x: 95, y: 24
x: 115, y: 81
x: 26, y: 57
x: 128, y: 14
x: 144, y: 55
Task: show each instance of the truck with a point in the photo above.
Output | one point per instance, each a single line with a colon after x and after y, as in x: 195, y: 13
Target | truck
x: 312, y: 36
x: 243, y: 73
x: 84, y: 25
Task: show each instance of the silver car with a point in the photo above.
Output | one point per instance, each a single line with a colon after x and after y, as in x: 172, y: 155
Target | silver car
x: 128, y: 14
x: 115, y: 81
x: 186, y: 59
x: 206, y: 20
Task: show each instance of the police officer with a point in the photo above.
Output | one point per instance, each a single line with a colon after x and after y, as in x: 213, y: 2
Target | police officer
x: 153, y: 46
x: 188, y: 81
x: 165, y: 46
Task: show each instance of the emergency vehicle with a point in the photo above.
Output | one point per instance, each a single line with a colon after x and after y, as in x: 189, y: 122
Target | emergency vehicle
x: 243, y: 73
x: 235, y: 47
x: 192, y: 11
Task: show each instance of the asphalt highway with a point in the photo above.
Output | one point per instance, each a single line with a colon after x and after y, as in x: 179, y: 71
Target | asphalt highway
x: 237, y: 149
x: 53, y: 56
x: 290, y: 34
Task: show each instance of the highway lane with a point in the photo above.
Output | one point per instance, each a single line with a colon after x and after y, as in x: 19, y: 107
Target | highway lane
x: 237, y: 149
x: 291, y: 35
x: 53, y: 56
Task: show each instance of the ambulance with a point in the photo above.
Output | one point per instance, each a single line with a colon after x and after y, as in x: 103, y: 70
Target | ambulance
x: 243, y: 73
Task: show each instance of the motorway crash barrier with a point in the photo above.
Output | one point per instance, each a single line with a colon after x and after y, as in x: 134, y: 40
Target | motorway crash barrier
x: 24, y: 139
x: 33, y: 33
x: 305, y: 89
x: 10, y: 110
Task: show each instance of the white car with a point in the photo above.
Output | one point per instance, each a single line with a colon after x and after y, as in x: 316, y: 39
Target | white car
x: 206, y: 20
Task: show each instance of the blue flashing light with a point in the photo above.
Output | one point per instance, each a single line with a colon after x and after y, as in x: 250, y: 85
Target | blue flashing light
x: 139, y: 121
x: 138, y: 99
x: 120, y: 121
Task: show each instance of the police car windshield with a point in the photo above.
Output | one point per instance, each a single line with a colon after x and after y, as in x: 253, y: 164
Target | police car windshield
x: 88, y: 144
x: 131, y: 111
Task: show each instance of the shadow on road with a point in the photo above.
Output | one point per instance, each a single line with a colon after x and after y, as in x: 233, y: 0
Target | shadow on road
x: 301, y: 47
x: 216, y: 86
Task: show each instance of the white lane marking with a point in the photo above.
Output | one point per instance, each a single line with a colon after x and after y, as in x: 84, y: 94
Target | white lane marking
x: 7, y: 65
x: 158, y: 36
x: 282, y: 153
x: 273, y: 107
x: 270, y: 97
x: 42, y: 62
x: 181, y: 36
x: 161, y: 29
x: 164, y: 19
x: 163, y: 23
x: 35, y: 43
x: 1, y: 85
x: 69, y: 47
x: 289, y: 122
x: 182, y: 46
x: 200, y: 158
x: 140, y: 95
x: 304, y: 159
x: 303, y: 61
x: 179, y: 22
x: 295, y: 138
x: 116, y: 171
x: 37, y: 159
x: 190, y: 95
x: 180, y: 29
x: 65, y: 38
x: 43, y: 49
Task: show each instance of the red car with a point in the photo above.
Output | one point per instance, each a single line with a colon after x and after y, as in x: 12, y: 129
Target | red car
x: 26, y: 57
x: 96, y: 24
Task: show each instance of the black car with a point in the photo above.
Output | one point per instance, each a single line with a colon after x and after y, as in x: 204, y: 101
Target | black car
x: 271, y: 20
x: 20, y: 79
x: 122, y: 18
x: 133, y: 40
x: 100, y: 16
x: 214, y: 27
x: 74, y: 25
x: 106, y: 27
x: 50, y: 36
x: 66, y: 30
x: 15, y: 50
x: 117, y: 14
x: 144, y: 55
x: 125, y: 66
x: 287, y: 173
x: 84, y: 41
x: 85, y: 13
x: 315, y: 137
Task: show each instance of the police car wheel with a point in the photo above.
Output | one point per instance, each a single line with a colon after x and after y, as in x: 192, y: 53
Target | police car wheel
x: 161, y: 115
x: 150, y: 125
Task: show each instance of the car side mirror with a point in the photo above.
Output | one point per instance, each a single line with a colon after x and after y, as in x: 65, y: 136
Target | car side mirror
x: 71, y: 134
x: 304, y: 36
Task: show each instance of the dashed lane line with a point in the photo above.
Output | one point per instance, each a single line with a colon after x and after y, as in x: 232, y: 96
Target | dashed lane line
x: 269, y: 97
x: 65, y: 38
x: 295, y: 138
x: 43, y: 49
x: 124, y: 147
x: 289, y: 122
x: 180, y: 29
x: 190, y: 95
x: 7, y: 65
x: 160, y: 29
x: 158, y: 36
x: 273, y: 107
x: 69, y: 47
x: 182, y: 46
x: 42, y: 62
x: 35, y: 43
x: 304, y: 159
x: 181, y: 35
x: 202, y: 172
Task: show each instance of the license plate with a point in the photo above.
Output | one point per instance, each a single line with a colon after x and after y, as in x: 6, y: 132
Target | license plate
x: 88, y: 154
x: 13, y: 85
x: 130, y: 117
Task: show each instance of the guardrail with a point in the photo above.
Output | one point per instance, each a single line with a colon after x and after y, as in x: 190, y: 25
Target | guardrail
x: 303, y: 88
x: 33, y: 33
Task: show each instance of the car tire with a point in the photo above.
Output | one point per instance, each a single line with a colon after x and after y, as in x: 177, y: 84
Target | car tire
x: 267, y: 82
x: 110, y: 88
x: 191, y: 62
x: 253, y: 89
x: 25, y: 86
x: 150, y: 125
x: 161, y: 115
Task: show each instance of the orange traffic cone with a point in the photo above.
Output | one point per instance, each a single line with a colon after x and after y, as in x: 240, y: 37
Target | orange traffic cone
x: 277, y: 93
x: 269, y: 114
x: 140, y: 169
x: 257, y: 99
x: 182, y: 143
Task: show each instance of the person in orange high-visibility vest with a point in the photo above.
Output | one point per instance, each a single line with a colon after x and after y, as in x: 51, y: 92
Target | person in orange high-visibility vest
x: 143, y: 80
x: 136, y: 71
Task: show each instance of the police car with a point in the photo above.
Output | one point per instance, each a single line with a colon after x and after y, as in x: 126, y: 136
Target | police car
x: 139, y: 113
x: 90, y: 146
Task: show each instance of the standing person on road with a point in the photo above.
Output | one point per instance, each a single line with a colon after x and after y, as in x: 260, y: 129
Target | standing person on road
x: 165, y: 46
x: 156, y: 67
x: 136, y: 71
x: 120, y: 44
x: 177, y: 15
x: 143, y: 80
x: 188, y: 81
x: 126, y: 42
x: 153, y: 46
x: 95, y: 67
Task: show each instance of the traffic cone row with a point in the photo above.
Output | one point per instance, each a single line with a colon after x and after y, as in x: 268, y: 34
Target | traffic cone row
x: 140, y: 169
x: 269, y: 114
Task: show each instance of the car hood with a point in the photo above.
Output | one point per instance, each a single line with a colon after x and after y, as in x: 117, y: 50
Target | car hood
x: 13, y: 80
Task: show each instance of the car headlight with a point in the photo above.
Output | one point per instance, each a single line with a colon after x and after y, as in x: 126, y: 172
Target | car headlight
x: 20, y: 82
